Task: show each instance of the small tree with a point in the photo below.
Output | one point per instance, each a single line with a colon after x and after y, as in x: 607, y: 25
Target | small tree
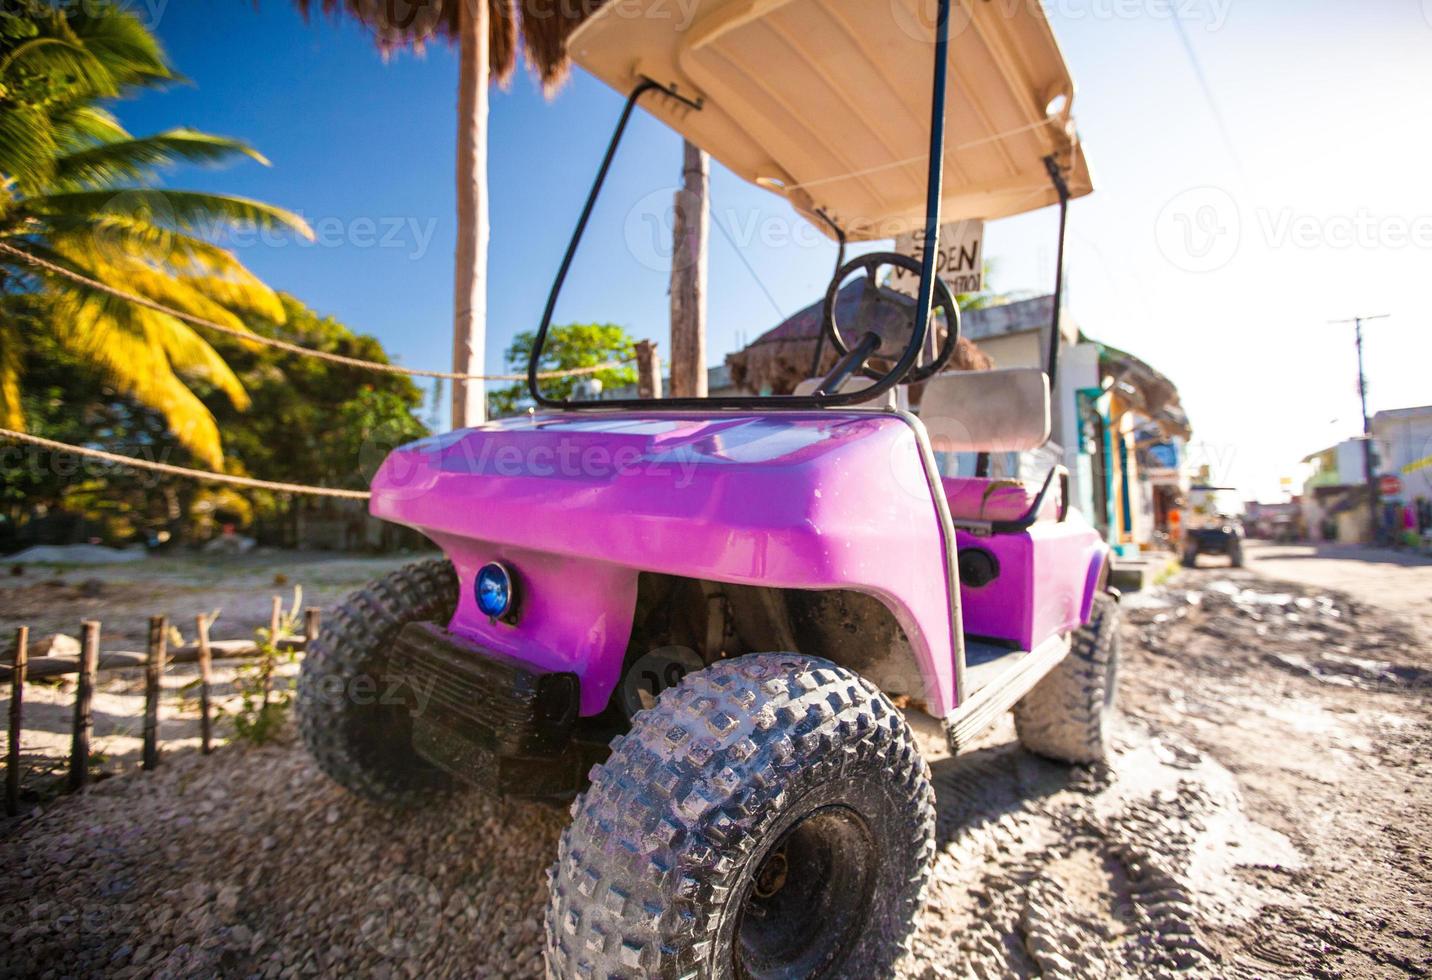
x: 575, y: 345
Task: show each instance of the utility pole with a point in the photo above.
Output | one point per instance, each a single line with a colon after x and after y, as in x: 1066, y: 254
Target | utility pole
x: 688, y: 276
x: 1373, y: 498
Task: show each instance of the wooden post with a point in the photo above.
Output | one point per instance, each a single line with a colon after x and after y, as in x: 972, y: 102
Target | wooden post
x: 153, y: 673
x: 312, y: 619
x: 648, y: 370
x: 84, y: 711
x: 690, y: 233
x: 17, y: 698
x: 206, y: 678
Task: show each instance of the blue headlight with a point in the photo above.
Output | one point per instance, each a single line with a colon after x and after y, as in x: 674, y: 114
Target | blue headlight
x: 494, y: 590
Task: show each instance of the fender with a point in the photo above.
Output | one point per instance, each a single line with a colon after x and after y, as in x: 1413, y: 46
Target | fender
x: 577, y: 505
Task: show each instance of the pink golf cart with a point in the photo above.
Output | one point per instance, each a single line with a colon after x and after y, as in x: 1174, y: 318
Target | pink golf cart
x: 694, y: 616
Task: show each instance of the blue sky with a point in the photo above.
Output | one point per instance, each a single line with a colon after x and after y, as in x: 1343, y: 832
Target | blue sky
x: 1216, y: 252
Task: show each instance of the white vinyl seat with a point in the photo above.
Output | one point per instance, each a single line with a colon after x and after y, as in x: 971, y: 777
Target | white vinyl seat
x: 998, y: 411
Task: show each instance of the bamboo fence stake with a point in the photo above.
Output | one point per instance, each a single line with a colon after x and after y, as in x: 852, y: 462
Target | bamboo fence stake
x: 275, y: 618
x: 84, y: 710
x: 312, y: 619
x: 153, y: 672
x: 17, y: 698
x: 206, y: 678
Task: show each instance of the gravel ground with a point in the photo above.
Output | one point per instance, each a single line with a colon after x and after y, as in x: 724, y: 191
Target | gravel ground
x: 1268, y: 813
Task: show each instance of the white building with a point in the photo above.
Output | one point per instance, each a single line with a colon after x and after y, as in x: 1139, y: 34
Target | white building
x: 1404, y: 447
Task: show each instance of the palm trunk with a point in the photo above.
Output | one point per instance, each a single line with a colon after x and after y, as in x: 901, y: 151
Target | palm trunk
x: 469, y: 341
x: 690, y: 232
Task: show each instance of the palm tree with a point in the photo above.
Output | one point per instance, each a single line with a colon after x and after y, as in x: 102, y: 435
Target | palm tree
x: 76, y: 191
x: 486, y: 32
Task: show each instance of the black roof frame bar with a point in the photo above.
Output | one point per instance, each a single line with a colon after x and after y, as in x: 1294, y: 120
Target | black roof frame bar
x: 933, y: 195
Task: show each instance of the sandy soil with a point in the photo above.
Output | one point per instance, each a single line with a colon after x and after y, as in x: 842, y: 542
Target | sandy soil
x: 56, y: 599
x: 1268, y: 813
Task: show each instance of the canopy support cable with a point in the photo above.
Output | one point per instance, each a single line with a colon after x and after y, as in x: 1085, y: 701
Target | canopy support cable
x: 1062, y: 187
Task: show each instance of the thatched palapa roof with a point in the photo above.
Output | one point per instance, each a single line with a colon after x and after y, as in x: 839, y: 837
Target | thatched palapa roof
x: 780, y: 358
x: 545, y: 26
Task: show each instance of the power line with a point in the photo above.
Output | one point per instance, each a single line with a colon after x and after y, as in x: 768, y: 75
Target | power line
x: 1208, y: 97
x: 742, y: 256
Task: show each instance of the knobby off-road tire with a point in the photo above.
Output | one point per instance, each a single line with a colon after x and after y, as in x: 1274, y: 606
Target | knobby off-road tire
x: 357, y: 729
x: 769, y: 816
x: 1066, y: 715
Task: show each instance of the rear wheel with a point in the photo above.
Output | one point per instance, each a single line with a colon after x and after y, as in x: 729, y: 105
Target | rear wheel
x: 1066, y: 715
x: 770, y: 816
x: 354, y: 724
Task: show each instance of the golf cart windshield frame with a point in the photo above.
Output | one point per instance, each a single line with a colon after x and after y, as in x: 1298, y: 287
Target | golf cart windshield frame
x: 827, y: 394
x: 835, y: 399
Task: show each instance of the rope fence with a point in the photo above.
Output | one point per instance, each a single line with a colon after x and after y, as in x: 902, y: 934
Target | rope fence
x: 145, y: 464
x: 285, y: 345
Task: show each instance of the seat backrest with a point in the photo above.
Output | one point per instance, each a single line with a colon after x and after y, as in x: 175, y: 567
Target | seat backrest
x: 856, y: 382
x: 997, y: 411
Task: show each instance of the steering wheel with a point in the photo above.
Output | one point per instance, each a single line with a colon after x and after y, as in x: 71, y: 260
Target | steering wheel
x: 872, y: 299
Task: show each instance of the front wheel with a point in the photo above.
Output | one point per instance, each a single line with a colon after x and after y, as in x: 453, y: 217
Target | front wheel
x: 771, y: 816
x: 357, y: 730
x: 1235, y: 553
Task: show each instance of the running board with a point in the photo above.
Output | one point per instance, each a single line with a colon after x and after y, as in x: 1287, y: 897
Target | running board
x: 984, y: 706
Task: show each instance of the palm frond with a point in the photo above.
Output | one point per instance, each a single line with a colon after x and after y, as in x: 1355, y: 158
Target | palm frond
x: 135, y: 159
x: 191, y: 354
x: 185, y: 210
x: 85, y: 124
x: 153, y: 282
x: 27, y: 147
x: 61, y: 59
x: 135, y: 236
x: 120, y: 40
x: 134, y: 348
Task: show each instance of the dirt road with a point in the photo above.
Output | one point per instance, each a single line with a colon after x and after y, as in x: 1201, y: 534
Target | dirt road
x: 1398, y: 581
x: 1269, y: 813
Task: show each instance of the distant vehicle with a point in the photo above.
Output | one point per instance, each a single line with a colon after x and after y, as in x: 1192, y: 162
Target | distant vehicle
x: 698, y: 616
x: 1213, y: 525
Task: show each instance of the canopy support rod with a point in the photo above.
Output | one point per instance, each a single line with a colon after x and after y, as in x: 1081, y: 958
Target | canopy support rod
x: 839, y: 264
x: 934, y: 187
x: 1056, y: 176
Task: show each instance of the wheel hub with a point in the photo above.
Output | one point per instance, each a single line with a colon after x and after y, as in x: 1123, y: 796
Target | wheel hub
x: 808, y: 900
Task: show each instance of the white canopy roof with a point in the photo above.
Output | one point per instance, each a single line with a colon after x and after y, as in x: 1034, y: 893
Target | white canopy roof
x: 827, y: 102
